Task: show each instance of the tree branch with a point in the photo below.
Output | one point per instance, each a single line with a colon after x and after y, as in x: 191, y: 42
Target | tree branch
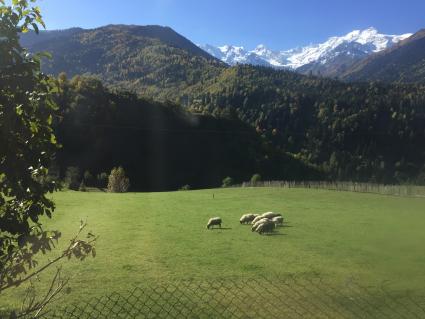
x: 66, y: 253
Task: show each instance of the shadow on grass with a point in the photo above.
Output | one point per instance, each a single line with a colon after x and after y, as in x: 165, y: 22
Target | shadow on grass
x: 222, y: 228
x: 278, y: 226
x: 274, y: 234
x: 284, y: 226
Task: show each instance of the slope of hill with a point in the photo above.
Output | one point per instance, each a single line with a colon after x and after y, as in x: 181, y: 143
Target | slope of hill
x: 158, y: 62
x: 404, y: 62
x: 352, y: 131
x: 150, y: 59
x: 367, y: 131
x: 161, y: 146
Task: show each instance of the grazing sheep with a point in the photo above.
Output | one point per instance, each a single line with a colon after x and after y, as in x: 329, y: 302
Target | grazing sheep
x: 278, y: 220
x: 247, y: 218
x: 256, y: 219
x: 266, y: 227
x: 258, y: 223
x: 214, y: 221
x: 244, y: 218
x: 270, y: 215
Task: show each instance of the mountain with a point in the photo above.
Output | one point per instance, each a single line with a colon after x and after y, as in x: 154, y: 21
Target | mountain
x: 154, y: 60
x: 330, y: 58
x: 31, y: 39
x: 404, y: 62
x: 164, y: 34
x: 233, y: 55
x: 351, y: 131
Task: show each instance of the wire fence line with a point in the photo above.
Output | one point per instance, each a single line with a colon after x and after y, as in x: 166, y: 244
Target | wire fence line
x: 395, y: 190
x: 249, y: 298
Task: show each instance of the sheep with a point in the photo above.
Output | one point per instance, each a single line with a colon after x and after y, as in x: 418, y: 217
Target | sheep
x: 270, y: 215
x: 244, y: 218
x: 214, y: 221
x: 278, y: 220
x: 266, y: 227
x: 256, y: 219
x: 247, y: 218
x: 258, y: 223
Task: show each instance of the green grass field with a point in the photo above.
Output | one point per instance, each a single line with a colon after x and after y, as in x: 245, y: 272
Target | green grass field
x: 160, y: 237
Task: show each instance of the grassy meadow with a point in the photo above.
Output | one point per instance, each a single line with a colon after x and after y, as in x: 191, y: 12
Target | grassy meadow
x: 161, y: 237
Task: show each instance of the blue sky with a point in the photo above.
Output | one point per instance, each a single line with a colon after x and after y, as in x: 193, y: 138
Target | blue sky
x: 279, y: 24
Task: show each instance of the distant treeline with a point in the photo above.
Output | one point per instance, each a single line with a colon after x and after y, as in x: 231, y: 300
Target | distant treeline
x: 160, y: 146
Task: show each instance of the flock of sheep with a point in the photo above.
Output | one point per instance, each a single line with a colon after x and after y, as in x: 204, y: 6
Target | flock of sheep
x: 262, y: 224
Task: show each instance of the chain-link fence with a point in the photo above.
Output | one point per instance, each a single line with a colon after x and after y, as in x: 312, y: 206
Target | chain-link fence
x: 250, y: 298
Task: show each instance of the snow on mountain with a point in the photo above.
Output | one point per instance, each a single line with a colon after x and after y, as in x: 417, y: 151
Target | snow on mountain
x: 356, y: 44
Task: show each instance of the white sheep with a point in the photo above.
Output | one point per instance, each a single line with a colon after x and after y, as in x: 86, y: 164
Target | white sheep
x: 258, y: 223
x: 266, y: 227
x: 214, y: 221
x: 256, y: 219
x: 247, y: 218
x: 278, y: 220
x: 270, y: 215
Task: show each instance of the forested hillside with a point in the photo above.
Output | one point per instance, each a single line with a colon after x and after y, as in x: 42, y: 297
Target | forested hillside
x: 161, y: 146
x: 366, y: 131
x: 150, y: 60
x: 351, y: 131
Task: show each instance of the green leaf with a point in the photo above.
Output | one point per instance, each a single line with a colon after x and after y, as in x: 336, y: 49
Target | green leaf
x: 34, y: 127
x: 19, y: 110
x: 53, y: 139
x: 35, y: 26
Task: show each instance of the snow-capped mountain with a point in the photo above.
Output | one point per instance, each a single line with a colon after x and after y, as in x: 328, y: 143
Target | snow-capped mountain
x: 327, y: 58
x: 233, y: 55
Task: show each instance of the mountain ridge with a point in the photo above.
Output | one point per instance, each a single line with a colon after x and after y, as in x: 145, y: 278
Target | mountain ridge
x: 322, y: 121
x: 165, y: 33
x: 152, y: 60
x: 320, y: 58
x: 404, y: 62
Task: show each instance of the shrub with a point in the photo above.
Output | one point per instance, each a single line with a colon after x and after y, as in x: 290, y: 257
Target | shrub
x: 102, y: 180
x: 117, y: 181
x: 82, y: 187
x: 72, y: 177
x: 228, y: 181
x: 185, y: 188
x: 255, y: 178
x: 88, y: 179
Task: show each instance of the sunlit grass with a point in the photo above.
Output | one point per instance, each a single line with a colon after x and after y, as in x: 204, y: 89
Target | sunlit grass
x: 160, y: 237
